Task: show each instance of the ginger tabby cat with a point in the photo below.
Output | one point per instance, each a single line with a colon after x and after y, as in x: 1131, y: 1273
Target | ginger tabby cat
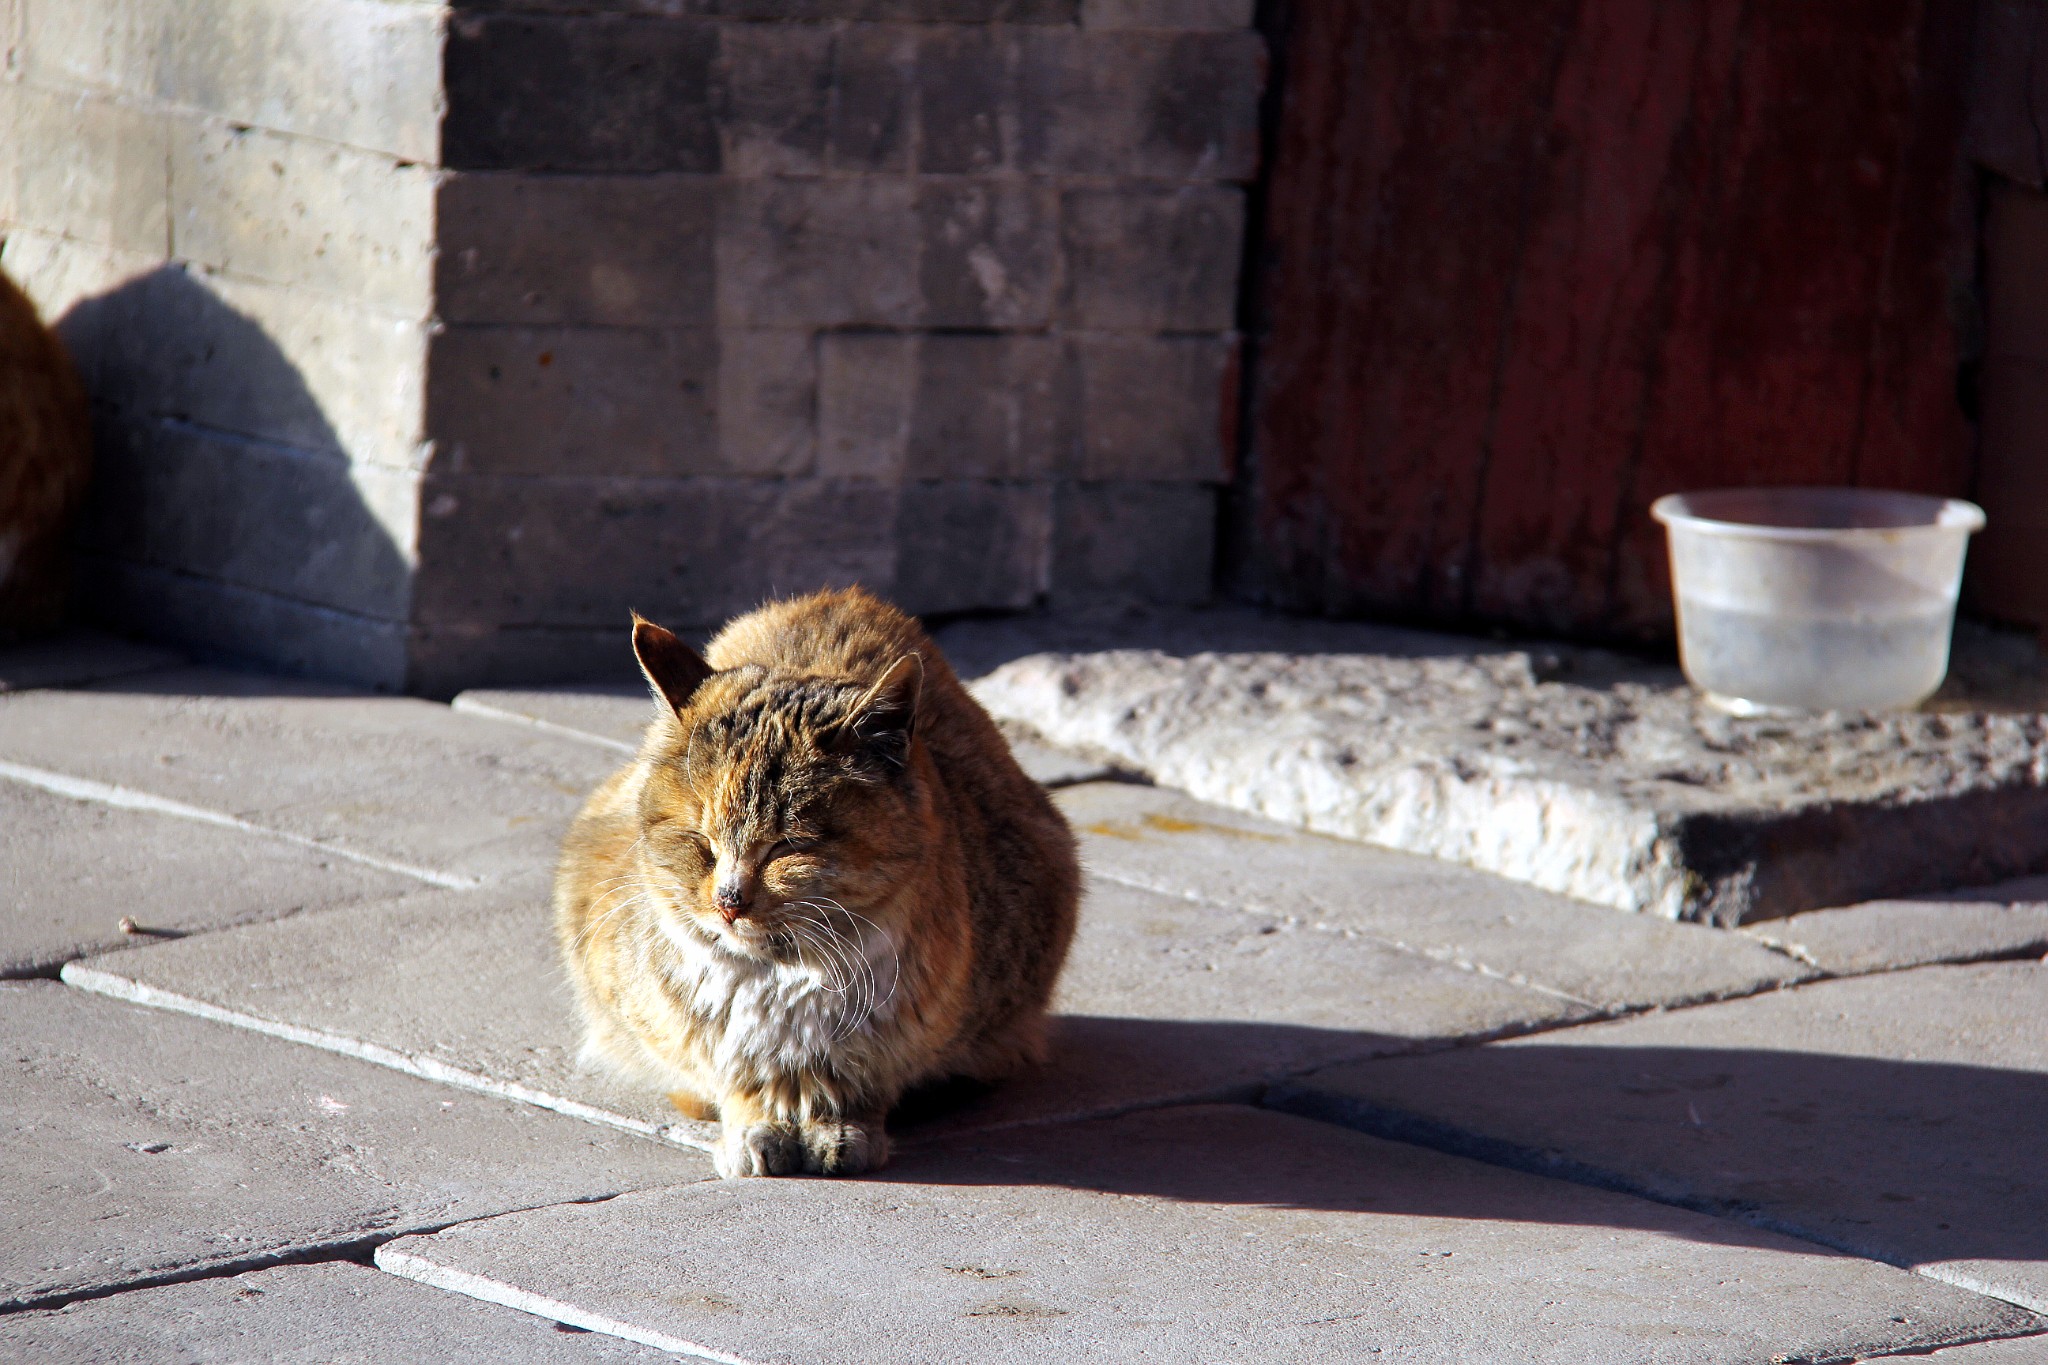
x: 822, y: 881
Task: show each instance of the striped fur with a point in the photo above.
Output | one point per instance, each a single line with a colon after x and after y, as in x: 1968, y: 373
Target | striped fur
x: 899, y: 895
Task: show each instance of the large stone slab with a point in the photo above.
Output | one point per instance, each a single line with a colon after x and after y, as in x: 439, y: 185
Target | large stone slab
x: 616, y: 717
x: 141, y: 1145
x: 453, y: 798
x: 1898, y: 1116
x: 475, y: 999
x: 2003, y: 921
x: 2029, y: 1350
x: 1576, y: 771
x: 71, y: 872
x: 333, y: 1313
x: 1163, y: 1000
x: 1169, y: 843
x: 1189, y: 1234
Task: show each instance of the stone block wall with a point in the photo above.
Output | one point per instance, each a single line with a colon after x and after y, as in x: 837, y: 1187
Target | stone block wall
x: 427, y: 340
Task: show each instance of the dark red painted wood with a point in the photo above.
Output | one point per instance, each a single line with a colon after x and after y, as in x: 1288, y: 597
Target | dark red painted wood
x: 1529, y: 264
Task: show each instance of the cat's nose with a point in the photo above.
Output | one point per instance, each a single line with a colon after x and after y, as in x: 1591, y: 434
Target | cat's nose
x: 731, y: 900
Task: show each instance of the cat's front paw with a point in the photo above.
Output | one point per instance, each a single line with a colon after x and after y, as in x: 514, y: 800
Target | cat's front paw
x: 845, y: 1146
x: 758, y: 1149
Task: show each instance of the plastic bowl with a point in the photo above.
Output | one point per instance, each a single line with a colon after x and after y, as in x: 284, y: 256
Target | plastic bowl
x: 1815, y: 599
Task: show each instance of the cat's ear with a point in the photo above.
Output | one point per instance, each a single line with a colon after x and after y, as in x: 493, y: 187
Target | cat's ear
x: 886, y: 718
x: 673, y: 669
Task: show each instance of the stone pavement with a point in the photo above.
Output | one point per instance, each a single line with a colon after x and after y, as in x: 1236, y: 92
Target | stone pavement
x: 293, y: 1078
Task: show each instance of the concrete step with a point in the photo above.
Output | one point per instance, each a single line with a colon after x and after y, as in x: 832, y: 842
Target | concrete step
x: 450, y: 798
x: 333, y: 1313
x: 1163, y: 999
x: 141, y: 1145
x: 1189, y: 1234
x: 72, y: 871
x: 1899, y: 1116
x: 1576, y: 771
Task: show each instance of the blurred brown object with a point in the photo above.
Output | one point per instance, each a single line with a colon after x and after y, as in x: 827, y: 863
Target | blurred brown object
x: 45, y: 457
x: 2008, y: 569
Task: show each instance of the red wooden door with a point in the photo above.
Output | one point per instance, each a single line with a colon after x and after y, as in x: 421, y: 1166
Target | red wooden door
x: 1528, y: 264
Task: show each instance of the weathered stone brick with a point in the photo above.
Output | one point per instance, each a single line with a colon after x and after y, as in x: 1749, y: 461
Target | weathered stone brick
x: 1160, y: 105
x: 1151, y: 259
x: 818, y: 253
x: 943, y: 406
x: 909, y: 11
x: 1160, y: 408
x: 581, y: 552
x: 258, y: 360
x: 1166, y: 14
x: 589, y: 92
x: 966, y: 95
x: 988, y: 250
x: 277, y: 632
x: 558, y: 400
x: 874, y: 79
x: 627, y: 251
x: 303, y: 524
x: 106, y: 186
x: 776, y: 114
x: 360, y: 72
x: 867, y: 383
x: 767, y: 402
x: 287, y: 210
x: 967, y: 546
x: 1133, y: 542
x: 987, y: 407
x: 797, y: 99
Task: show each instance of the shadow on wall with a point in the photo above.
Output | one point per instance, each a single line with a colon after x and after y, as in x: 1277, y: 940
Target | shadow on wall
x: 225, y: 513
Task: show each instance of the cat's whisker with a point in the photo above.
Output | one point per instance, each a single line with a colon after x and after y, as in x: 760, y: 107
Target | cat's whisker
x: 896, y: 958
x: 845, y: 975
x: 865, y: 1004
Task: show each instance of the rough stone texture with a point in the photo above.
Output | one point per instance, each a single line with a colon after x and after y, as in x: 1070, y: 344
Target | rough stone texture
x: 1575, y: 771
x: 1164, y: 1000
x: 71, y: 871
x: 1896, y: 1117
x: 78, y: 656
x: 329, y: 1314
x: 2003, y: 921
x: 1189, y: 1234
x: 454, y: 798
x: 328, y: 267
x: 1315, y: 886
x: 173, y: 1145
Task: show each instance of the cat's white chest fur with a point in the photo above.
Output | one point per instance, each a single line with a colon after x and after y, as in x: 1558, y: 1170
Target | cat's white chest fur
x: 783, y: 1016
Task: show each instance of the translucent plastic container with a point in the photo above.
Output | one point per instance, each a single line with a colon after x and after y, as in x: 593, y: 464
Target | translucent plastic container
x: 1815, y: 599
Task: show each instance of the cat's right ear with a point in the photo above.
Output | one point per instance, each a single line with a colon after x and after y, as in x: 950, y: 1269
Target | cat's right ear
x: 673, y: 669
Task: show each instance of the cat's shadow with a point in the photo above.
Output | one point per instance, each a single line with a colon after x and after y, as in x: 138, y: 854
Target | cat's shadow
x: 1902, y: 1161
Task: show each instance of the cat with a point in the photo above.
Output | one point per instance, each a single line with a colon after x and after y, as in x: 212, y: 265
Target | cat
x: 822, y: 881
x: 45, y: 456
